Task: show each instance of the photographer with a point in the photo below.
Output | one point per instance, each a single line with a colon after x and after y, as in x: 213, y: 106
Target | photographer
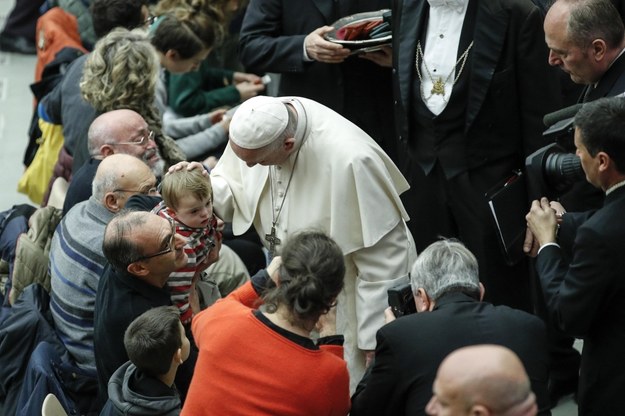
x: 450, y: 315
x: 584, y: 298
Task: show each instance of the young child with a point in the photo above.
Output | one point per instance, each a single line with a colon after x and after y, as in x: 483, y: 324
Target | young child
x: 188, y: 200
x: 156, y: 345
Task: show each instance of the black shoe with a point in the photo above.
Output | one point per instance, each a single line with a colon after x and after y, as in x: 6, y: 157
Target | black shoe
x: 559, y: 388
x: 17, y: 44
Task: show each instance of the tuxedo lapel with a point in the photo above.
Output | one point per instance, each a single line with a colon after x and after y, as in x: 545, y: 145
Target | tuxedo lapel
x: 326, y: 8
x: 412, y: 19
x: 490, y: 31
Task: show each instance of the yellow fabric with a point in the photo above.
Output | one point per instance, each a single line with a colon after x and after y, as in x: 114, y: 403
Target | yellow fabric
x: 35, y: 180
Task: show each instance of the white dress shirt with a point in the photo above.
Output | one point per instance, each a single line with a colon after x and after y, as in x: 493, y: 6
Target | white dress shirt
x: 441, y: 50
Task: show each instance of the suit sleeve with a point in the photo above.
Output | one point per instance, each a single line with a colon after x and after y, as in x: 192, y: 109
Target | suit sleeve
x: 262, y: 46
x: 575, y: 295
x: 375, y: 391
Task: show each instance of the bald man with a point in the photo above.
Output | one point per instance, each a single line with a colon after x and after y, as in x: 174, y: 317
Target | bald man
x: 76, y: 258
x: 482, y: 380
x: 118, y: 131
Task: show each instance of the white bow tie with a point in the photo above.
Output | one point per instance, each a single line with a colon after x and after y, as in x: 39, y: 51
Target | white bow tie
x: 455, y: 5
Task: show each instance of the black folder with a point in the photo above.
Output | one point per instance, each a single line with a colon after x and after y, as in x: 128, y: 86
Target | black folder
x: 508, y: 205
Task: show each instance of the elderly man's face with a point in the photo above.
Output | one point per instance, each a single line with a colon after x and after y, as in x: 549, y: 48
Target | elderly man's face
x: 136, y: 139
x: 575, y: 61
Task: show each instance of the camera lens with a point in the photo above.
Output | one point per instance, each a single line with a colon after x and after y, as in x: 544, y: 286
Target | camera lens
x: 562, y: 170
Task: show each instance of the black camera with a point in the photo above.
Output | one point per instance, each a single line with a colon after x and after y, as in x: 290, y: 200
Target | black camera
x: 401, y: 300
x: 552, y: 170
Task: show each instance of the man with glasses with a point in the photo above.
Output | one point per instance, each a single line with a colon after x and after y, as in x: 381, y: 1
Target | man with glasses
x: 142, y: 250
x: 117, y: 131
x: 76, y: 257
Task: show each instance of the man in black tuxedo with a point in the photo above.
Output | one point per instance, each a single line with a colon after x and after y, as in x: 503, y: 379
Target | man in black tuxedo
x: 450, y: 315
x: 471, y: 85
x: 585, y: 297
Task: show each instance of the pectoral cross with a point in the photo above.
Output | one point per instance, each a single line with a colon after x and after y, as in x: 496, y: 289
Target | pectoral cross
x: 273, y: 241
x: 438, y: 87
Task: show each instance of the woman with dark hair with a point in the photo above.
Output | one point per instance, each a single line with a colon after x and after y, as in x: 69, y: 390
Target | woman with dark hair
x: 183, y: 37
x: 265, y: 362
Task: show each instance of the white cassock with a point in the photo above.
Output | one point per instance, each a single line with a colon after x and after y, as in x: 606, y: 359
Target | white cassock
x: 345, y: 185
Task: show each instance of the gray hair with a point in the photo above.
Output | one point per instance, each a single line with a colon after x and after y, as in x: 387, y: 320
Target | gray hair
x: 103, y: 183
x: 446, y: 266
x: 594, y: 19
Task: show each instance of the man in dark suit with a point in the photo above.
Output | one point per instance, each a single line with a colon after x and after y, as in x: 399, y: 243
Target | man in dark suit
x: 471, y: 85
x: 449, y: 316
x: 287, y: 37
x: 585, y: 297
x: 586, y: 39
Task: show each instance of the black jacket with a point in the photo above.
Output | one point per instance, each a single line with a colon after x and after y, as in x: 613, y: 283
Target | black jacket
x: 410, y: 349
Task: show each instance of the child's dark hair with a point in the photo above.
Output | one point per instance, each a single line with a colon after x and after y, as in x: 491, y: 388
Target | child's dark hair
x: 311, y: 276
x: 185, y: 30
x: 152, y: 339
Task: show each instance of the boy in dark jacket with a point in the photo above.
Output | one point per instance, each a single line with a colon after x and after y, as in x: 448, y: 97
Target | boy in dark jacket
x: 156, y: 345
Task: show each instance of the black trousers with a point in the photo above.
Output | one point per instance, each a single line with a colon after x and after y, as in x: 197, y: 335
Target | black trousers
x: 22, y: 21
x: 457, y: 208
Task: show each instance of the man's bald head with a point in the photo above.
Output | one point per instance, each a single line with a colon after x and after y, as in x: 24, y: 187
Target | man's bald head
x: 120, y: 176
x: 483, y: 380
x: 123, y: 131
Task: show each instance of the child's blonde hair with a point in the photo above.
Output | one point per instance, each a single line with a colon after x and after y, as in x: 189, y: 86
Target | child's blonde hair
x: 183, y: 182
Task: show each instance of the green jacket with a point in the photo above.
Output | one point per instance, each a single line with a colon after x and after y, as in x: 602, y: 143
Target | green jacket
x: 201, y: 91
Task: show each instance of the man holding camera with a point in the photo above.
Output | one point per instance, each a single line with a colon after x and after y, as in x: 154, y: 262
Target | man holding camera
x: 584, y: 297
x: 450, y: 315
x: 586, y: 39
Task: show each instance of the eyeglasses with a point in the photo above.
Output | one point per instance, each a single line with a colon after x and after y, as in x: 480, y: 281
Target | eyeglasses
x: 149, y: 21
x: 170, y: 246
x: 152, y: 191
x: 143, y: 140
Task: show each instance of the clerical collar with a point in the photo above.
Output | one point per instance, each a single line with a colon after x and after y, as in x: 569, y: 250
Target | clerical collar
x: 614, y: 187
x: 456, y: 5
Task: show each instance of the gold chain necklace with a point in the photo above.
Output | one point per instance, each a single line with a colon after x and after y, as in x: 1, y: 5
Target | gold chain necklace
x: 438, y: 85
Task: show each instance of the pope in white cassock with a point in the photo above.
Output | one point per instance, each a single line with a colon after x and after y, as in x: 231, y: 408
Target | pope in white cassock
x: 294, y: 164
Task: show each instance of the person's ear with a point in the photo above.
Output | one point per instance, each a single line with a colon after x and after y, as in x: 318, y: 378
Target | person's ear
x: 289, y: 144
x: 177, y: 358
x: 479, y: 410
x: 111, y: 202
x: 172, y: 54
x: 107, y: 150
x: 137, y: 269
x: 423, y: 301
x: 482, y: 291
x: 599, y: 49
x: 604, y: 161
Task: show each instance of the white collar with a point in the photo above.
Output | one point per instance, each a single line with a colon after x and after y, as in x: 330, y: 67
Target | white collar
x: 614, y: 187
x: 455, y: 5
